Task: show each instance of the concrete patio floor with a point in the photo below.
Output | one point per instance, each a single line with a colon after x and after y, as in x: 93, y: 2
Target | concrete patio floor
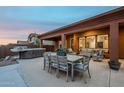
x: 33, y: 74
x: 9, y: 76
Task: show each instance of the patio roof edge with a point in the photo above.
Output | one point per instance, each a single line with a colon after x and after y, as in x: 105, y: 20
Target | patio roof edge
x: 85, y: 20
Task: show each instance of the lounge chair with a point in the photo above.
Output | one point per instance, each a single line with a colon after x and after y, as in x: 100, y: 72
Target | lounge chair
x: 98, y: 56
x: 70, y: 51
x: 86, y: 52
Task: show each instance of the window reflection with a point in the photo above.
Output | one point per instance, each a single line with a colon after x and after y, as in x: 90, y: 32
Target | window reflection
x: 96, y: 41
x: 82, y: 42
x: 102, y: 41
x: 90, y: 42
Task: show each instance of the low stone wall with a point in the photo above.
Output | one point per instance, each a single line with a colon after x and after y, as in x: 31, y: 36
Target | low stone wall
x: 7, y: 63
x: 5, y: 51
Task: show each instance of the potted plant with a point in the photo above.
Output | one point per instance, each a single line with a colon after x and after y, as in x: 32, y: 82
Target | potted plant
x: 61, y: 51
x: 114, y: 65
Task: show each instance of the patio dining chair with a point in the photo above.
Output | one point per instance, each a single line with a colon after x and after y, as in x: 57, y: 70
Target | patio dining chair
x: 46, y: 60
x: 53, y: 62
x: 83, y: 66
x: 63, y: 65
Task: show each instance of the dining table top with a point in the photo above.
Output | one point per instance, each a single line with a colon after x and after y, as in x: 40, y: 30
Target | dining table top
x: 73, y: 58
x: 70, y: 57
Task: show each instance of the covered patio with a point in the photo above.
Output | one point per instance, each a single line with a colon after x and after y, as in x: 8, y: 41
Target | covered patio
x: 109, y: 24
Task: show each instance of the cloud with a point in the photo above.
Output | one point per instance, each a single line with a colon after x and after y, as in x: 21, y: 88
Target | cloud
x: 30, y: 24
x: 17, y: 34
x: 7, y: 41
x: 16, y: 23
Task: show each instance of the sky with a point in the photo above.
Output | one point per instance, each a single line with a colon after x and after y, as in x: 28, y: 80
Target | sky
x: 16, y: 23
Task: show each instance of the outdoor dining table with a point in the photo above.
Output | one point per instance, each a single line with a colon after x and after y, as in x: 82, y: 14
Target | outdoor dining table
x: 73, y: 59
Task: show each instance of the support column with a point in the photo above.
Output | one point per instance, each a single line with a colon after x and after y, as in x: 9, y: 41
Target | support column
x: 76, y: 43
x: 63, y: 40
x: 41, y: 45
x: 56, y: 46
x: 114, y: 42
x: 96, y: 42
x: 85, y: 42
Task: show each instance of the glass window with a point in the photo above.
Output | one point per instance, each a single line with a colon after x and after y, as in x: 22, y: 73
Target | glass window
x: 82, y: 42
x: 102, y: 41
x: 48, y: 42
x: 90, y: 42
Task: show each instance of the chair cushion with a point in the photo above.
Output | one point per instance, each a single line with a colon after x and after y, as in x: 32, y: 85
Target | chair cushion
x: 54, y: 64
x: 81, y: 66
x: 64, y: 67
x: 70, y: 50
x: 61, y: 66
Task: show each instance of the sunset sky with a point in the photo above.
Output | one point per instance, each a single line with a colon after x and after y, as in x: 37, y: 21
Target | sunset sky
x: 16, y: 23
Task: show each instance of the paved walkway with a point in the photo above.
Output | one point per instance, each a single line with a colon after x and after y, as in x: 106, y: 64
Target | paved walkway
x: 33, y: 74
x: 9, y: 76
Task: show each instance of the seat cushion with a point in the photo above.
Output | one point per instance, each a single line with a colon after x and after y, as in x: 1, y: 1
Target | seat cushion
x: 64, y: 67
x: 70, y: 50
x: 54, y: 64
x: 61, y: 66
x: 81, y: 66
